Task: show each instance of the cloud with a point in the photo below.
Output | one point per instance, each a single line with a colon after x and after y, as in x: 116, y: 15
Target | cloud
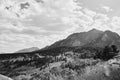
x: 20, y: 41
x: 42, y: 23
x: 107, y: 9
x: 19, y: 10
x: 102, y: 22
x: 35, y: 25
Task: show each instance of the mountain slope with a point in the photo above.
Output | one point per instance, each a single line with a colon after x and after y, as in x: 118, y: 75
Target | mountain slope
x: 93, y: 37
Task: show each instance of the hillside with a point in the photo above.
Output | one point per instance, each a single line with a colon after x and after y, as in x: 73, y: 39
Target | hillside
x: 66, y: 66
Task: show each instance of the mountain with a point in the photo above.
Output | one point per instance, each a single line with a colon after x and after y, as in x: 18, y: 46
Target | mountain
x: 93, y: 37
x: 28, y: 50
x: 78, y: 57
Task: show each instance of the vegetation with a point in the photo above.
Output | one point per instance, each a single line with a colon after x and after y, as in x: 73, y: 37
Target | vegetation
x: 62, y: 63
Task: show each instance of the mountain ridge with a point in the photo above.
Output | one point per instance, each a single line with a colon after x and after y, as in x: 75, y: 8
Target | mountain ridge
x: 94, y: 38
x: 91, y: 37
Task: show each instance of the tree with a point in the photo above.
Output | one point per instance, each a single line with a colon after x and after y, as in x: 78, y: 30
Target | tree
x: 109, y: 52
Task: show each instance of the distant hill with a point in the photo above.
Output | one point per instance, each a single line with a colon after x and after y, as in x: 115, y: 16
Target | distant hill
x: 27, y: 50
x: 93, y: 37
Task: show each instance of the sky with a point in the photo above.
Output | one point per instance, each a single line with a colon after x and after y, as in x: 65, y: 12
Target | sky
x: 39, y: 23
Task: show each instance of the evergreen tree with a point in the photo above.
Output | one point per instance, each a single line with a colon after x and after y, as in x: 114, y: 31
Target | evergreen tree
x: 109, y: 52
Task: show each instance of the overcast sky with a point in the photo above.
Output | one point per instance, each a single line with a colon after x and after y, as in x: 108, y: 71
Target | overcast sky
x: 38, y: 23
